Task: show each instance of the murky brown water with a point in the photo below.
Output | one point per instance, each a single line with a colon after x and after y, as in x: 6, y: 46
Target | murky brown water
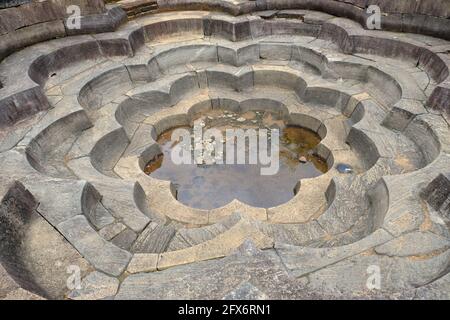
x: 213, y: 186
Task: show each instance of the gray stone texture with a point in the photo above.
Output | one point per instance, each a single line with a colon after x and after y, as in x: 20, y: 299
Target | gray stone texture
x: 95, y: 286
x: 248, y: 272
x: 79, y: 116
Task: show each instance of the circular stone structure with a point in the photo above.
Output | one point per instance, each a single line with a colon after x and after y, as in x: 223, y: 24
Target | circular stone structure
x: 82, y: 116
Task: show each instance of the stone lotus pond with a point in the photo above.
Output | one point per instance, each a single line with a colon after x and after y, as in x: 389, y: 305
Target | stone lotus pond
x: 83, y: 116
x: 213, y: 186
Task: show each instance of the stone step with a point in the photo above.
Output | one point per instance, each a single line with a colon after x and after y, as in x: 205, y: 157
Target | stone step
x: 154, y: 239
x: 445, y: 208
x: 138, y: 7
x: 34, y: 256
x: 437, y: 194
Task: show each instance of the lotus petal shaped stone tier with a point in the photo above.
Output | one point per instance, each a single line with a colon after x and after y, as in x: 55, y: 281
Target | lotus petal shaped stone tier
x: 79, y: 120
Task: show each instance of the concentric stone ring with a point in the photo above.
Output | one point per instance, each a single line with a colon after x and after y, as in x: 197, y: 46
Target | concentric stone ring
x: 80, y: 129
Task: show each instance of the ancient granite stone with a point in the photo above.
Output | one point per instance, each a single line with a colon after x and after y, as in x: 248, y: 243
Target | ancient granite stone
x: 95, y: 286
x: 102, y: 254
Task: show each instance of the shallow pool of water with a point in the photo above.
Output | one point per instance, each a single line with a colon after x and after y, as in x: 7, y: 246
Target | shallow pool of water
x: 213, y: 186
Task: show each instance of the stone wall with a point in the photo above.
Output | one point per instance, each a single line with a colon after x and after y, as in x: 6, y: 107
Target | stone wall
x: 17, y: 208
x: 34, y: 22
x: 436, y: 8
x: 12, y: 3
x: 33, y: 13
x: 430, y: 17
